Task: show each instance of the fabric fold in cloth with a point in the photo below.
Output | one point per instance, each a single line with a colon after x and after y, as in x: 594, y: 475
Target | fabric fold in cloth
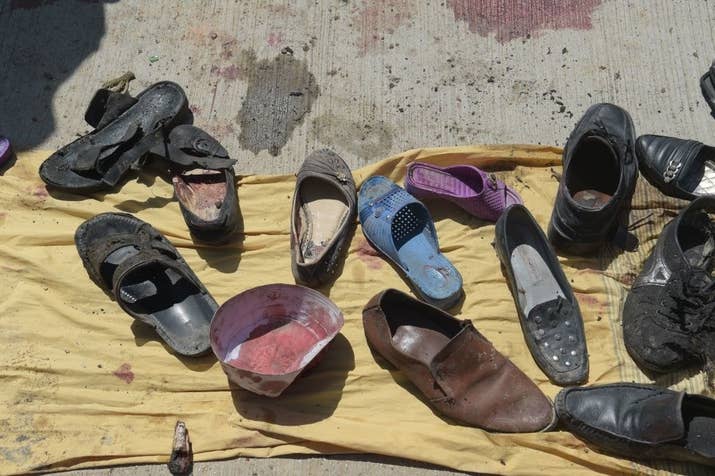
x: 84, y: 385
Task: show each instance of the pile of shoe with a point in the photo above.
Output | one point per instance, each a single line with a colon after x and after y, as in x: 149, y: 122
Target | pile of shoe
x: 668, y: 316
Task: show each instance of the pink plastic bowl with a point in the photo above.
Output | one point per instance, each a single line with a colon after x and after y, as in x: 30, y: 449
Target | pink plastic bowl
x: 266, y: 336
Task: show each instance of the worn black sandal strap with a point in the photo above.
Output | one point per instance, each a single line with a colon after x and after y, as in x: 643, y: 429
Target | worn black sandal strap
x: 99, y: 157
x: 146, y: 238
x: 107, y: 105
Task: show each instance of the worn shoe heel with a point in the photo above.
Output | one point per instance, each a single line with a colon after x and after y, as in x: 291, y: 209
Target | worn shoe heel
x: 566, y: 244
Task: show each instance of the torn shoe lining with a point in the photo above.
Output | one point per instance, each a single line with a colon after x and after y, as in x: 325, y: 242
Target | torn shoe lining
x: 202, y: 192
x: 322, y: 212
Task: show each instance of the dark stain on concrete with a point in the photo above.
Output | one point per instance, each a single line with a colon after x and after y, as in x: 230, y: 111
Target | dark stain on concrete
x: 230, y: 72
x: 280, y: 93
x: 510, y: 19
x: 378, y: 18
x: 369, y: 140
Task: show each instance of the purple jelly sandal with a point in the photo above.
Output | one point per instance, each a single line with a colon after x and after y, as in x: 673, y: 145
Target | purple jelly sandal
x: 479, y: 193
x: 6, y: 153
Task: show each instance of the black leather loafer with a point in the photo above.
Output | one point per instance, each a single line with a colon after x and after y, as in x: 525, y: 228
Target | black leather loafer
x: 677, y: 167
x: 640, y: 421
x: 323, y: 214
x: 669, y: 314
x: 599, y: 177
x: 548, y: 311
x: 707, y: 86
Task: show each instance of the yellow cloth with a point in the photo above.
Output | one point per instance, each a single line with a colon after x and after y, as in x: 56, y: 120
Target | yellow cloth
x: 82, y: 384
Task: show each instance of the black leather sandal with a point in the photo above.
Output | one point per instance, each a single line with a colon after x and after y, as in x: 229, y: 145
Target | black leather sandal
x: 126, y: 129
x: 132, y: 261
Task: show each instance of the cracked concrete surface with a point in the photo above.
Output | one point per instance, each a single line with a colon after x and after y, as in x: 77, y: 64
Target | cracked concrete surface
x: 276, y: 80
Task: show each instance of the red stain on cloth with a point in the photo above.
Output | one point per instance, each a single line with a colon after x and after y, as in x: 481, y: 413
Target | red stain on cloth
x: 510, y: 19
x: 124, y: 372
x: 368, y: 255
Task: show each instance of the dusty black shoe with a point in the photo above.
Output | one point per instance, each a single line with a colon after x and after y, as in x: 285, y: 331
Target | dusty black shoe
x: 641, y: 421
x: 599, y: 177
x: 677, y: 167
x: 669, y: 315
x: 707, y: 86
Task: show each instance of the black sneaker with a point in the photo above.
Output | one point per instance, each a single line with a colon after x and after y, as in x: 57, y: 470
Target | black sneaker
x: 599, y: 177
x: 669, y: 315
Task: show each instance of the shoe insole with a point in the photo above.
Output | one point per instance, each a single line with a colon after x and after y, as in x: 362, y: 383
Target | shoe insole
x: 180, y: 311
x: 443, y: 182
x: 707, y: 183
x: 428, y: 269
x: 535, y: 283
x: 419, y: 343
x: 202, y: 192
x: 592, y: 199
x: 324, y: 209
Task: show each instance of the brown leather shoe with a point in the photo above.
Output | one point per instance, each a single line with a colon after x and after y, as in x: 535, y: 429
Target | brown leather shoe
x: 454, y: 366
x: 324, y: 212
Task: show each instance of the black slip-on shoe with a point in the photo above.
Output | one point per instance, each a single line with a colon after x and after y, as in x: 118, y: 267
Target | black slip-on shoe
x: 677, y: 167
x: 707, y: 87
x: 641, y: 421
x: 204, y: 182
x: 322, y: 217
x: 669, y: 314
x: 548, y: 311
x: 599, y: 177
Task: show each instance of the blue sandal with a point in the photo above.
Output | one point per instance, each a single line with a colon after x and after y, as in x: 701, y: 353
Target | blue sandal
x: 400, y: 227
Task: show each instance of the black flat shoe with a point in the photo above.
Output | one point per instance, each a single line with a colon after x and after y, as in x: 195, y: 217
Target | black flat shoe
x: 677, y: 167
x: 322, y: 217
x: 204, y: 182
x: 126, y: 129
x: 669, y: 314
x: 641, y: 421
x: 548, y: 311
x: 134, y: 263
x: 599, y: 177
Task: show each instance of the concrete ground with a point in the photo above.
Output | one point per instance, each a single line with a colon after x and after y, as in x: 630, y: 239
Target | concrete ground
x: 276, y: 80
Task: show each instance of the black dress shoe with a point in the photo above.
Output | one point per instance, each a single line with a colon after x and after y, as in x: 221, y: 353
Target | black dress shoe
x: 548, y: 311
x: 599, y: 177
x: 707, y: 86
x: 677, y: 167
x: 641, y: 421
x: 669, y: 314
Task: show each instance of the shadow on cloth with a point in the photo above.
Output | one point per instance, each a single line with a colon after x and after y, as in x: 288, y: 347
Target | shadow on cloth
x: 312, y: 397
x: 45, y: 41
x: 144, y: 333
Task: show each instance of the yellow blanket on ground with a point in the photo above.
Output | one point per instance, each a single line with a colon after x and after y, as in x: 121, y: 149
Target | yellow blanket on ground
x: 82, y: 384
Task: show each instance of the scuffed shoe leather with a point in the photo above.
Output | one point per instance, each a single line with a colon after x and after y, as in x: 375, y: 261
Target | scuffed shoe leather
x: 599, y: 177
x: 641, y: 421
x: 669, y: 314
x: 454, y: 366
